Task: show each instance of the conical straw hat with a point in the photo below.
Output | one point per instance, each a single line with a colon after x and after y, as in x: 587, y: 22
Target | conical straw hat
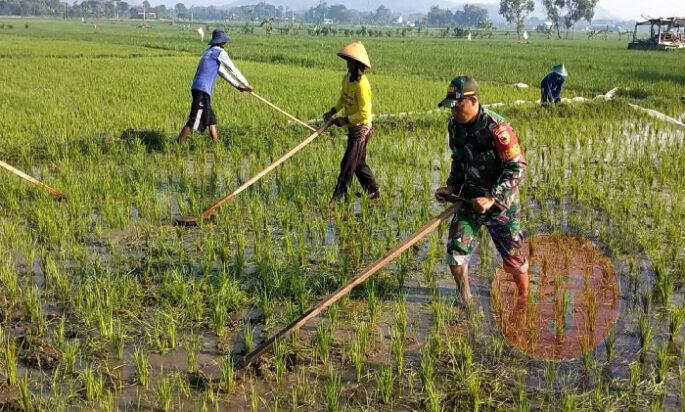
x: 356, y: 51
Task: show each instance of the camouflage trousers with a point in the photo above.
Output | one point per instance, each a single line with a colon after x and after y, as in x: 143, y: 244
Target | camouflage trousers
x: 505, y: 231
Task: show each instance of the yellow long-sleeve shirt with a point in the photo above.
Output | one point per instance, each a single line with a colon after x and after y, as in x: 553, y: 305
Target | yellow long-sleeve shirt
x: 355, y: 98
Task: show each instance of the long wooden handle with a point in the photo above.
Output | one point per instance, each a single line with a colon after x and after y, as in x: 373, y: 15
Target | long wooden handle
x: 31, y: 180
x: 278, y: 109
x: 271, y: 167
x: 361, y: 277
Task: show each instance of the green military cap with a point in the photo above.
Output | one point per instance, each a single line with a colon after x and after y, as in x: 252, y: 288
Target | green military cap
x: 460, y: 87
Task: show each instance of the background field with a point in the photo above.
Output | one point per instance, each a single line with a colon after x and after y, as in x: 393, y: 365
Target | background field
x: 92, y: 287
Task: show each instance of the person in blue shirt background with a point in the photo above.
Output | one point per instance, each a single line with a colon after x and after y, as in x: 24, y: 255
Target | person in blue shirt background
x: 214, y: 62
x: 552, y: 84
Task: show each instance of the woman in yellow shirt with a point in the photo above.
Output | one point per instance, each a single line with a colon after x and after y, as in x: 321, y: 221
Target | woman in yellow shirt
x: 355, y: 98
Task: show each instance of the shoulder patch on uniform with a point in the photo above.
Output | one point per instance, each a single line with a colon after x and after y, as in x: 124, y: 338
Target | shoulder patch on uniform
x: 511, y: 153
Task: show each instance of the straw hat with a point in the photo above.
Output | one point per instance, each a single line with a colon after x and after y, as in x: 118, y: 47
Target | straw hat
x: 560, y: 69
x: 355, y: 51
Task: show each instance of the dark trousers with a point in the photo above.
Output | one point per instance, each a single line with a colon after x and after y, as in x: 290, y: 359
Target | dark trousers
x: 354, y: 163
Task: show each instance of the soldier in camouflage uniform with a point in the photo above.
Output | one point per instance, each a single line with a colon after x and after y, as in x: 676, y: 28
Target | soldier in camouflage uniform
x: 487, y: 168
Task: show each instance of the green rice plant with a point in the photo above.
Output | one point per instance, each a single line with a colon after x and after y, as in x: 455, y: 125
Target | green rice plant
x: 165, y: 331
x: 645, y: 334
x: 427, y: 367
x: 332, y: 392
x: 610, y: 345
x: 142, y: 366
x: 34, y: 311
x: 372, y: 303
x: 323, y: 342
x: 397, y: 343
x: 474, y: 392
x: 9, y: 361
x: 248, y: 336
x: 635, y: 375
x: 663, y: 363
x: 357, y: 355
x: 118, y: 341
x: 219, y: 318
x: 69, y: 355
x: 266, y: 305
x: 227, y: 373
x: 25, y: 398
x: 107, y: 402
x: 677, y: 319
x: 93, y: 383
x: 280, y: 356
x: 663, y: 283
x: 550, y: 373
x: 191, y: 353
x: 254, y: 398
x: 433, y: 402
x: 363, y: 335
x: 333, y: 314
x: 302, y: 393
x: 567, y: 402
x: 165, y: 391
x: 461, y: 357
x: 384, y: 382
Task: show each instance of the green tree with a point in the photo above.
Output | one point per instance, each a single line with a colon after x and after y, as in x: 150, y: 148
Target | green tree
x: 569, y: 11
x: 516, y: 11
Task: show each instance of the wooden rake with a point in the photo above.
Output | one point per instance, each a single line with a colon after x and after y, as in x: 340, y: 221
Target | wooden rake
x: 357, y: 280
x: 191, y: 222
x: 58, y: 195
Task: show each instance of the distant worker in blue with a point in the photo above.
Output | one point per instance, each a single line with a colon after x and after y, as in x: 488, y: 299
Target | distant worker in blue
x: 214, y: 62
x: 552, y: 84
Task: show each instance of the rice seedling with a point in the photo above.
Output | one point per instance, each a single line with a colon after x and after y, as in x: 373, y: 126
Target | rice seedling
x: 227, y: 373
x: 191, y: 353
x: 610, y: 345
x: 332, y: 392
x: 397, y: 348
x: 433, y: 402
x: 677, y: 318
x: 645, y: 333
x: 93, y: 383
x: 142, y: 367
x: 248, y: 336
x: 635, y: 377
x: 663, y: 363
x: 302, y: 393
x: 384, y: 382
x: 280, y: 355
x: 323, y: 341
x: 9, y: 361
x: 118, y: 341
x: 164, y: 392
x: 26, y: 400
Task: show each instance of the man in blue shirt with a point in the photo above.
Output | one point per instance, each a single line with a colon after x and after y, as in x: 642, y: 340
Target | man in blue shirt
x: 214, y: 62
x: 552, y: 84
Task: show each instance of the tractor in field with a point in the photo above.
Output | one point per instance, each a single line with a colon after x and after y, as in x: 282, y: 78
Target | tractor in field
x: 666, y: 33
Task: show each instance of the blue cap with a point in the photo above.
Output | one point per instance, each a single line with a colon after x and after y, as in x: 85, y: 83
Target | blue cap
x: 219, y: 36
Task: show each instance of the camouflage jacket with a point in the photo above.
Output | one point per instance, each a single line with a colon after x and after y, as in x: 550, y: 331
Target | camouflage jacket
x: 486, y: 159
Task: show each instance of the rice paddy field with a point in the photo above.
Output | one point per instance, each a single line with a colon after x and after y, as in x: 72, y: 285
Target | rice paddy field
x: 105, y: 305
